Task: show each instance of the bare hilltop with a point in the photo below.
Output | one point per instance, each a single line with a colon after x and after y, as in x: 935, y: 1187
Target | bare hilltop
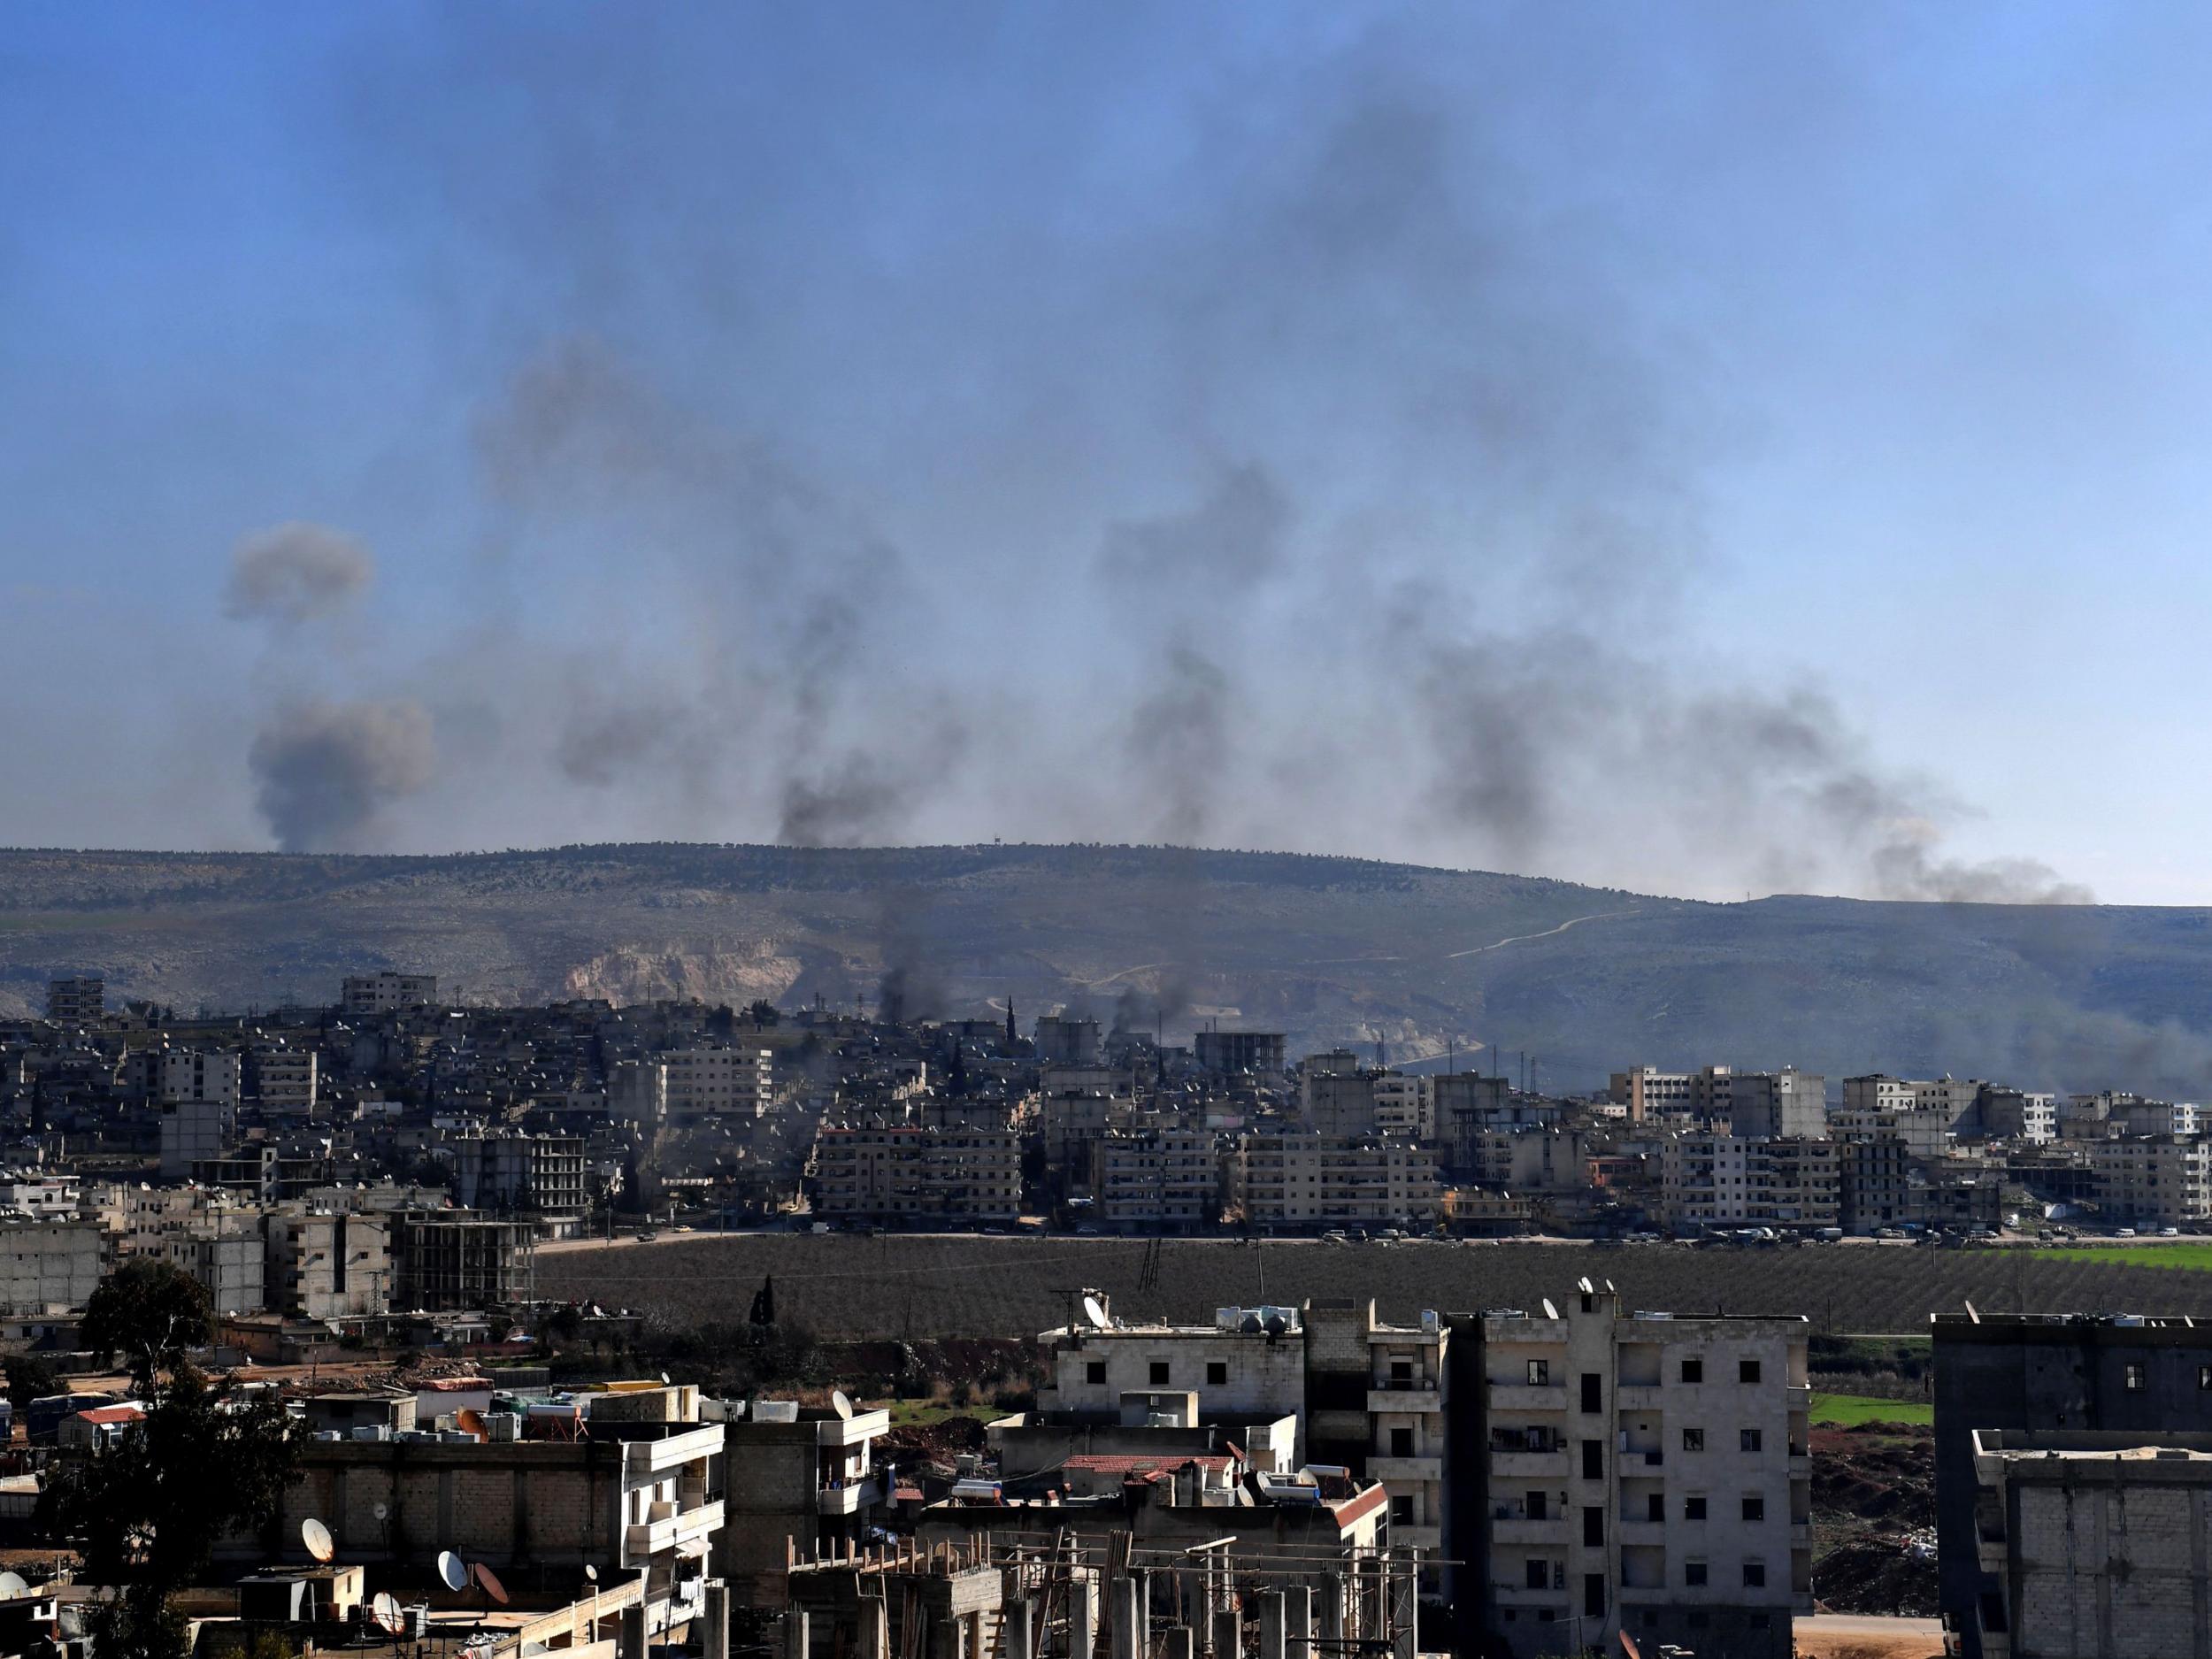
x: 1427, y: 962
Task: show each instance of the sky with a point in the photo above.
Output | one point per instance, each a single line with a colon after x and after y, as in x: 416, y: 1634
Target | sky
x: 1701, y: 449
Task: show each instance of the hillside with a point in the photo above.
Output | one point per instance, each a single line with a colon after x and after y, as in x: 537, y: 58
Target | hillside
x: 1329, y: 949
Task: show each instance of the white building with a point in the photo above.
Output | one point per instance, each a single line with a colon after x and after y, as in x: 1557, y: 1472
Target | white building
x: 199, y: 1108
x: 284, y: 1078
x: 1405, y: 1106
x: 2162, y: 1181
x: 719, y: 1082
x: 1317, y: 1181
x: 382, y: 992
x: 1646, y: 1474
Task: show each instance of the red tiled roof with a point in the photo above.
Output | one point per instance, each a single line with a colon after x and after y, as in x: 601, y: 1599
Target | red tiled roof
x: 1146, y: 1463
x: 110, y: 1414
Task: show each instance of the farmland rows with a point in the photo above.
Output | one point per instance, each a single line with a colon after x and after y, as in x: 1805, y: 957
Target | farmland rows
x: 971, y: 1287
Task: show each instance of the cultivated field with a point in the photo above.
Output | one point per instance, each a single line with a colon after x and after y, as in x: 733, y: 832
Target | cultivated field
x: 898, y: 1286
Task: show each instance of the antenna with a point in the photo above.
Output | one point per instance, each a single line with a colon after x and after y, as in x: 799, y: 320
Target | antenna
x: 317, y: 1537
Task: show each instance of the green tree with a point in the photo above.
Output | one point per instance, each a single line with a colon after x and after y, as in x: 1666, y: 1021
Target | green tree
x: 32, y: 1377
x: 150, y: 1312
x: 146, y: 1510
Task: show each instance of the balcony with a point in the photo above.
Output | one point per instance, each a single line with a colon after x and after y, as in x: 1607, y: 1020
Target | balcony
x: 862, y: 1425
x: 1516, y: 1397
x: 848, y: 1499
x: 659, y: 1537
x: 1521, y: 1595
x: 1424, y: 1398
x: 1642, y: 1533
x: 1638, y: 1397
x: 1798, y: 1397
x: 1405, y: 1469
x: 1521, y: 1464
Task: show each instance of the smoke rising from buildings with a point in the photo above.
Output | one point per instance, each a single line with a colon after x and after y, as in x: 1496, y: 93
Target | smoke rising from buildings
x: 1293, y: 471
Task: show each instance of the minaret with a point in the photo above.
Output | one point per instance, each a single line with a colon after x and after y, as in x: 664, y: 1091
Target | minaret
x: 1011, y: 1038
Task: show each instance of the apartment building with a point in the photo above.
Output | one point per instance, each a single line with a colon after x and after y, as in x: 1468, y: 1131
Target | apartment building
x: 1375, y: 1403
x: 719, y: 1082
x: 1239, y: 1053
x: 2161, y: 1182
x: 1405, y: 1106
x: 911, y: 1177
x: 282, y: 1079
x: 450, y: 1261
x: 1720, y: 1180
x: 1879, y: 1185
x: 1296, y: 1181
x: 383, y: 993
x: 1628, y: 1473
x: 543, y: 1175
x: 1528, y: 1159
x: 1788, y: 1104
x: 1657, y: 1097
x: 1156, y: 1180
x: 198, y: 1094
x: 2011, y: 1113
x: 1247, y: 1366
x: 1063, y: 1040
x: 50, y: 1267
x: 325, y: 1264
x: 2133, y: 1117
x: 637, y: 1092
x: 80, y: 1000
x: 808, y: 1477
x: 2144, y: 1380
x: 1336, y: 1103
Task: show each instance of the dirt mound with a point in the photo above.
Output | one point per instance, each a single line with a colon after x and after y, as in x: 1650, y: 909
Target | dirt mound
x: 936, y: 1443
x: 1874, y: 1577
x: 1874, y: 1518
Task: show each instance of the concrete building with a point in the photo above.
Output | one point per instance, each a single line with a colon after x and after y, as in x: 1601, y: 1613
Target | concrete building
x: 1063, y: 1040
x: 384, y: 993
x: 637, y: 1092
x: 912, y: 1177
x: 1257, y: 1054
x: 1292, y: 1182
x: 323, y: 1264
x: 805, y: 1478
x: 451, y: 1261
x: 1375, y: 1404
x: 1250, y: 1366
x: 2161, y: 1182
x: 50, y: 1267
x: 1340, y: 1104
x: 1405, y: 1106
x: 2011, y: 1113
x: 198, y: 1092
x: 1156, y: 1180
x: 1878, y: 1184
x: 81, y: 1000
x: 2145, y: 1378
x: 1526, y: 1160
x: 1676, y: 1098
x: 1788, y: 1104
x: 719, y: 1082
x: 282, y: 1079
x: 1613, y: 1473
x: 2094, y: 1542
x: 543, y: 1176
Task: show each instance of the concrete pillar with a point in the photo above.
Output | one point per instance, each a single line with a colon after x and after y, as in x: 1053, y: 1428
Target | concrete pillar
x: 1298, y: 1620
x: 1333, y: 1597
x: 1083, y: 1617
x: 1405, y: 1604
x: 875, y: 1628
x: 1177, y: 1643
x: 629, y: 1643
x: 798, y: 1635
x: 1228, y: 1633
x: 1014, y: 1622
x: 971, y: 1634
x: 1272, y: 1631
x: 1126, y: 1616
x: 714, y: 1623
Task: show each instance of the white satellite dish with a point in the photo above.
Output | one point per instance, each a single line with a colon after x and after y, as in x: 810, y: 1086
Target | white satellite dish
x: 317, y: 1537
x: 1550, y: 1312
x: 1091, y: 1311
x: 385, y: 1612
x: 451, y: 1569
x: 380, y: 1510
x: 840, y: 1405
x: 591, y: 1573
x: 663, y: 1379
x: 12, y: 1584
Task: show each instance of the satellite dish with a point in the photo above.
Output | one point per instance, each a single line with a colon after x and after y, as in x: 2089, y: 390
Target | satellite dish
x: 487, y: 1582
x: 1091, y: 1311
x: 1550, y: 1312
x: 450, y: 1570
x: 840, y: 1405
x: 316, y: 1536
x: 591, y: 1573
x: 12, y: 1584
x: 472, y: 1421
x: 382, y: 1510
x: 385, y: 1612
x: 663, y: 1379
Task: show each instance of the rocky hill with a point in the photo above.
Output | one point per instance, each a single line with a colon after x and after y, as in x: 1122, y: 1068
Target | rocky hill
x: 1330, y: 949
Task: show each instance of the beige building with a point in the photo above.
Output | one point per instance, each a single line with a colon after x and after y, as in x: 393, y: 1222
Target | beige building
x: 2163, y: 1181
x: 382, y: 992
x: 1646, y: 1474
x: 1720, y: 1180
x: 1297, y: 1182
x: 1651, y: 1095
x: 909, y: 1176
x: 1156, y: 1180
x: 719, y: 1082
x: 284, y: 1078
x: 50, y: 1267
x: 326, y: 1265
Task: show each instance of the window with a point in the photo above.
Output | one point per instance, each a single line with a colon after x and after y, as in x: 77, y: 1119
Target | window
x: 1593, y: 1595
x: 1159, y: 1373
x: 1747, y: 1439
x: 1402, y: 1442
x: 1217, y: 1373
x: 1095, y: 1372
x: 1656, y: 1509
x: 1694, y: 1574
x: 1693, y: 1440
x: 1539, y: 1574
x: 1535, y: 1506
x: 1593, y: 1391
x: 1402, y: 1373
x: 2133, y: 1373
x: 1594, y: 1460
x: 1754, y: 1507
x: 1747, y: 1370
x: 1401, y: 1511
x: 1539, y: 1373
x: 1755, y: 1575
x: 1692, y: 1371
x: 1593, y: 1526
x: 1694, y: 1509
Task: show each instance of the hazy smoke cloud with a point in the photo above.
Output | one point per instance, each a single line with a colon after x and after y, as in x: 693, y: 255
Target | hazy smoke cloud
x: 324, y: 772
x: 295, y: 572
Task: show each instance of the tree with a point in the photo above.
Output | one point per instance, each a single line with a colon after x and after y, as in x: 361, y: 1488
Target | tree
x: 150, y: 1312
x: 32, y: 1377
x: 146, y: 1510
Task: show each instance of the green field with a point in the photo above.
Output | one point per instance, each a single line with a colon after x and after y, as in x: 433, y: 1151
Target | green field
x: 1847, y: 1411
x: 2195, y: 1255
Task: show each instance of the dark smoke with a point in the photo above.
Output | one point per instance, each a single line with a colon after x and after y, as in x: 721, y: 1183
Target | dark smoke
x: 295, y: 572
x: 325, y: 772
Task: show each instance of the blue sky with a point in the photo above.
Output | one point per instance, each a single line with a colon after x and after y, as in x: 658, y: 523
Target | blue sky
x: 1468, y: 434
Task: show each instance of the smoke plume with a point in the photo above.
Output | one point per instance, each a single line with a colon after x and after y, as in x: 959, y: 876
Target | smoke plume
x: 295, y: 572
x: 325, y: 772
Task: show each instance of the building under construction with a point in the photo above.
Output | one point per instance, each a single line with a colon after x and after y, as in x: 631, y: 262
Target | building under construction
x: 445, y: 1261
